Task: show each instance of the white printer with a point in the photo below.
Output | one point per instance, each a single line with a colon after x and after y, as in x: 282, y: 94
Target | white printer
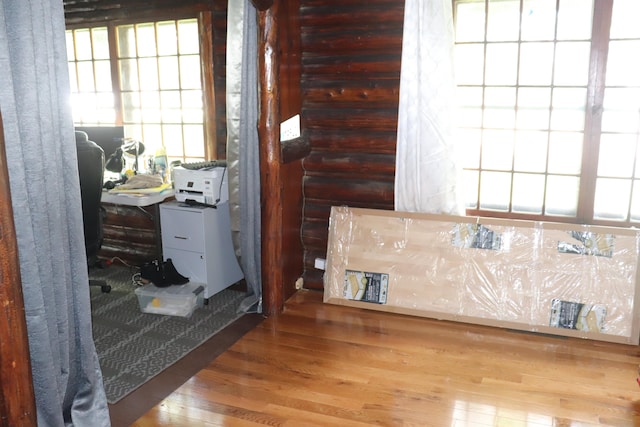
x: 208, y: 186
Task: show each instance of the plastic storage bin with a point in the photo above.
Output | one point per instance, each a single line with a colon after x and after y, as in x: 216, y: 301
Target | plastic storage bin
x: 175, y: 300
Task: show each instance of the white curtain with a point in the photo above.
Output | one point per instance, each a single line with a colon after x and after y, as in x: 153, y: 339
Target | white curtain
x: 243, y: 155
x: 45, y: 192
x: 427, y: 173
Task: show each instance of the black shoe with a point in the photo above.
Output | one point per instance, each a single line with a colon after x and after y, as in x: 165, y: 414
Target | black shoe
x: 153, y: 272
x: 172, y: 275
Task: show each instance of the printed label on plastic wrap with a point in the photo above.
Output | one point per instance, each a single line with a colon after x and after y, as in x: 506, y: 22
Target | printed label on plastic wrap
x: 366, y: 286
x: 475, y: 236
x: 590, y: 244
x: 579, y: 316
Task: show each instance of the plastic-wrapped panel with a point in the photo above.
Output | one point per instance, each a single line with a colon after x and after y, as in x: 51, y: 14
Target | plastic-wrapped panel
x: 561, y: 279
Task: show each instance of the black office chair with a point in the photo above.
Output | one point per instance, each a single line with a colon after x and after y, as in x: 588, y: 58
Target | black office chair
x: 91, y: 171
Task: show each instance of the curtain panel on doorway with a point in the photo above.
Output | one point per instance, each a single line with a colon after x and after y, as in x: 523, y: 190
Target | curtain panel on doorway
x: 243, y: 156
x: 427, y: 173
x: 45, y: 192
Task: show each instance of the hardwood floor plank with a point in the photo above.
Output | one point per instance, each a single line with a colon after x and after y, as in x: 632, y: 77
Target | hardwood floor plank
x: 133, y: 406
x: 318, y: 364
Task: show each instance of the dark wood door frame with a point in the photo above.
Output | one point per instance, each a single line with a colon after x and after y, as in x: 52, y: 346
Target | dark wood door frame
x: 280, y: 164
x: 17, y: 400
x: 270, y: 161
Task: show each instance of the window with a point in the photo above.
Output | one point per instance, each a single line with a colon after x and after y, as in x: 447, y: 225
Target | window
x: 145, y: 77
x: 549, y: 108
x: 92, y: 96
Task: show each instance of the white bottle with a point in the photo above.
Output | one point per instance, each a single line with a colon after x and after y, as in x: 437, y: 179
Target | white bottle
x: 160, y: 163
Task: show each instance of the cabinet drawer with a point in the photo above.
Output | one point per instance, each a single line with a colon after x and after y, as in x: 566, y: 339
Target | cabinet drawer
x: 182, y: 229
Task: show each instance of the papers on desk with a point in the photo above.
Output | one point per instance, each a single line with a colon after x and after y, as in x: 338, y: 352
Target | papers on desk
x: 138, y: 197
x: 144, y: 180
x: 140, y: 191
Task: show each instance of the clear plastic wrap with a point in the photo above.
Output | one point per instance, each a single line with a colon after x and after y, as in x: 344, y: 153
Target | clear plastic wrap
x: 554, y: 278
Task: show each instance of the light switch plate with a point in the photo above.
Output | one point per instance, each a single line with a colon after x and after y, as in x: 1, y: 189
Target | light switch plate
x: 290, y: 128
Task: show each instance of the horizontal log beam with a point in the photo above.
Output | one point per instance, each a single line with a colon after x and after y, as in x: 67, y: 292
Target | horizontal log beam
x: 360, y: 140
x: 343, y: 191
x: 359, y: 164
x: 294, y: 149
x: 337, y: 119
x: 380, y: 94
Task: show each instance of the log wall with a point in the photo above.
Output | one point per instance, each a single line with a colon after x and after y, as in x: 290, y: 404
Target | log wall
x: 350, y: 82
x: 129, y: 234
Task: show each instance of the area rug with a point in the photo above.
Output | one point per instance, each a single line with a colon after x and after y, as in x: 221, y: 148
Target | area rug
x: 133, y: 346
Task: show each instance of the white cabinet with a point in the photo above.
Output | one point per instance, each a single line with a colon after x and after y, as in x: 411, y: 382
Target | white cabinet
x: 198, y: 241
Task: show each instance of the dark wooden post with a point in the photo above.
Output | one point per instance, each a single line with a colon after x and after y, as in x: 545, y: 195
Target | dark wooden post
x: 270, y: 160
x: 17, y: 400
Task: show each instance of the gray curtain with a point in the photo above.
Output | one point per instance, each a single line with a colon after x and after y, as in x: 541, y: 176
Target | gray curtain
x: 242, y: 143
x: 45, y: 191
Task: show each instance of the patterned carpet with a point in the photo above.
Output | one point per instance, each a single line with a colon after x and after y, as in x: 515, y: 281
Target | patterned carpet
x: 133, y: 346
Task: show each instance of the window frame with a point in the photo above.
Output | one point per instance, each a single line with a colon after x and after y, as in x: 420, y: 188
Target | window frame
x: 600, y: 37
x: 204, y: 19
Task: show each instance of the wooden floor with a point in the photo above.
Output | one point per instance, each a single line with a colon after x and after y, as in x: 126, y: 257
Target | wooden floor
x: 323, y: 365
x: 131, y: 407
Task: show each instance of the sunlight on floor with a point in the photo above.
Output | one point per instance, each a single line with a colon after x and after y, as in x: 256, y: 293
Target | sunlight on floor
x: 470, y: 414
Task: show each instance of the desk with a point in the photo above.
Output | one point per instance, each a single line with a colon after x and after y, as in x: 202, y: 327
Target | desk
x: 136, y: 199
x: 141, y: 200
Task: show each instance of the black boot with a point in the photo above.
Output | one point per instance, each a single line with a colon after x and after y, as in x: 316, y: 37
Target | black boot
x: 172, y: 275
x: 153, y: 272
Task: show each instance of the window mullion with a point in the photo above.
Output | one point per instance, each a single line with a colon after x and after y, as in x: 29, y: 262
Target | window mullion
x: 549, y: 120
x: 595, y: 96
x: 483, y: 107
x: 115, y: 73
x: 158, y: 88
x: 138, y: 90
x: 75, y: 61
x: 517, y: 93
